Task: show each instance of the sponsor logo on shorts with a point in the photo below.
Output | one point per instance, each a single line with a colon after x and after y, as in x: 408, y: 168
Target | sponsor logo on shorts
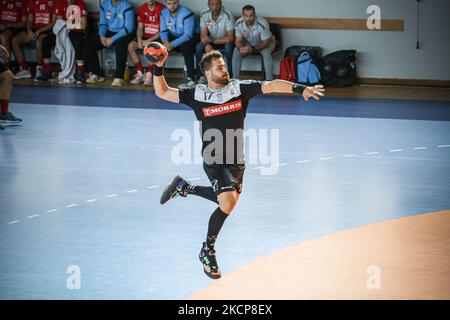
x: 222, y: 109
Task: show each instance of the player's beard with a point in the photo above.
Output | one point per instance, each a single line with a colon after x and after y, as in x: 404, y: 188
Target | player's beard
x: 223, y: 80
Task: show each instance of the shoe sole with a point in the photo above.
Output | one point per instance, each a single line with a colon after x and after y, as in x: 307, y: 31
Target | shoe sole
x: 96, y: 81
x: 9, y: 122
x: 166, y: 195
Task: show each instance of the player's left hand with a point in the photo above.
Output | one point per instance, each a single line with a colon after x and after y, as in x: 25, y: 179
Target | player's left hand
x: 168, y: 46
x: 316, y: 92
x: 108, y: 42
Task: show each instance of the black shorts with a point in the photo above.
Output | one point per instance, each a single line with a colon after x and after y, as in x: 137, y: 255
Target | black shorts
x: 225, y: 177
x: 3, y: 68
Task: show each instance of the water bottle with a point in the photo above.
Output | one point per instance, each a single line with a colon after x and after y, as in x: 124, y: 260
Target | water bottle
x: 108, y: 67
x: 126, y: 75
x: 184, y: 72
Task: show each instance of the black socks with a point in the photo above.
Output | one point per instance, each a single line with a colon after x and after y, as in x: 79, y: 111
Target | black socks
x: 204, y: 192
x: 215, y: 224
x: 218, y: 216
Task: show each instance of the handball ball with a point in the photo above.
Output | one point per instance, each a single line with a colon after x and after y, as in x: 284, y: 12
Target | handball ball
x: 155, y: 52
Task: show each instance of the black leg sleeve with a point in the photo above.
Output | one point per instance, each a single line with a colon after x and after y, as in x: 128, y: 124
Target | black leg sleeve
x: 215, y: 224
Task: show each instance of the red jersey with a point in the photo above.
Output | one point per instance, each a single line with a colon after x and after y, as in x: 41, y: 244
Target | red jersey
x: 150, y: 18
x: 12, y: 11
x: 72, y: 13
x: 42, y: 12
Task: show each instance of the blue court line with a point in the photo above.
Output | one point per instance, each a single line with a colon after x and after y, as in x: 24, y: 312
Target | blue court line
x: 271, y: 104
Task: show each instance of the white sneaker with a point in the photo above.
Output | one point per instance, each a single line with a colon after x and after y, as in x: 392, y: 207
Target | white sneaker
x: 138, y: 78
x: 22, y: 74
x: 39, y: 73
x: 93, y: 78
x: 117, y: 82
x: 148, y: 80
x: 69, y: 80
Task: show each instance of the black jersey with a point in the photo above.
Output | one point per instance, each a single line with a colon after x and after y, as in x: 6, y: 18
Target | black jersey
x: 221, y: 111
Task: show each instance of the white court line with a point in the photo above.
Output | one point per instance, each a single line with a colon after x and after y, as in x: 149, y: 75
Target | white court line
x: 255, y: 168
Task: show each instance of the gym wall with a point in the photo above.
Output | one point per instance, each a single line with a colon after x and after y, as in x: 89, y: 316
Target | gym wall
x: 382, y: 54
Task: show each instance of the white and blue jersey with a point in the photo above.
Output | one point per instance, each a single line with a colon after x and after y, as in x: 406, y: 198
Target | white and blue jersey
x: 183, y: 27
x: 119, y: 19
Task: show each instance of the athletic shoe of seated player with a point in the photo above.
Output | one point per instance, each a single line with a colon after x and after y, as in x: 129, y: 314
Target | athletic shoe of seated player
x: 138, y: 78
x: 79, y: 77
x: 93, y: 78
x: 148, y: 79
x: 9, y: 118
x: 22, y: 74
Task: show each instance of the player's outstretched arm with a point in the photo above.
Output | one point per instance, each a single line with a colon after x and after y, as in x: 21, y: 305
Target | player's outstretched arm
x: 283, y: 86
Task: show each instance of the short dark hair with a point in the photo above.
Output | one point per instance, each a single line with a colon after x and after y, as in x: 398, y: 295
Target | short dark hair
x: 206, y: 62
x: 248, y: 7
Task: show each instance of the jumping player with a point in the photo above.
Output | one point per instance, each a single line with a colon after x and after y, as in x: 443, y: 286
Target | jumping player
x: 221, y: 105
